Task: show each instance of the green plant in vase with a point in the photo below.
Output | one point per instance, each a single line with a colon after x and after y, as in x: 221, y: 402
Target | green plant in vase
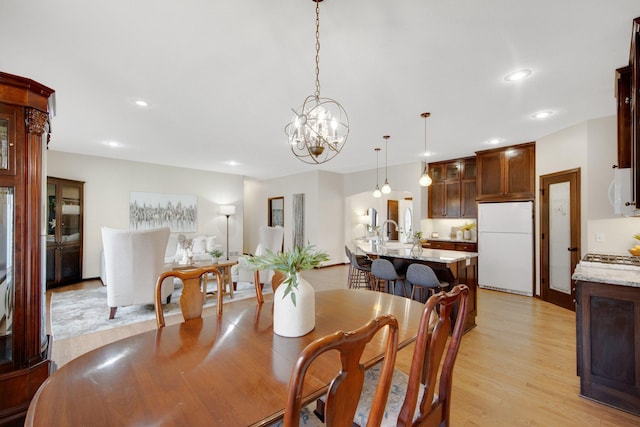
x: 215, y: 254
x: 290, y: 263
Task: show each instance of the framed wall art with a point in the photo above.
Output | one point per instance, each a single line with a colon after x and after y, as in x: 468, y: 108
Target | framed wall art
x: 179, y: 212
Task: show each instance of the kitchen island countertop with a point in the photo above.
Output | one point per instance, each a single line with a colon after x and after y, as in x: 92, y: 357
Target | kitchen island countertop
x: 434, y: 255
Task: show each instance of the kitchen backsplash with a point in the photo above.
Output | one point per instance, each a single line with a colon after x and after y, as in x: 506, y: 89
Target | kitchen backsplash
x: 611, y: 236
x: 444, y: 227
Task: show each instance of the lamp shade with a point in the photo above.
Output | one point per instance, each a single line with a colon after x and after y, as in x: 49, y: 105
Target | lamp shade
x: 227, y: 210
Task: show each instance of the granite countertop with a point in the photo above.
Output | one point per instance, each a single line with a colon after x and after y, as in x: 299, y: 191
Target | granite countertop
x: 433, y: 255
x: 621, y: 275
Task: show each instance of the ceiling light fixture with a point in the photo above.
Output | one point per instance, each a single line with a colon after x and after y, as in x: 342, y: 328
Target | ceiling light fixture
x: 517, y: 75
x: 377, y: 193
x: 494, y: 141
x: 386, y: 188
x: 318, y: 132
x: 425, y: 179
x: 542, y: 114
x: 142, y: 103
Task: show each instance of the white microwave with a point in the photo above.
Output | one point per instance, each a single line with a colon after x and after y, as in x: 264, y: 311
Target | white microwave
x: 620, y: 192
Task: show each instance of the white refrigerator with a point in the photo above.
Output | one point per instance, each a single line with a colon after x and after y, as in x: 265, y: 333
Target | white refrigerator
x: 505, y: 247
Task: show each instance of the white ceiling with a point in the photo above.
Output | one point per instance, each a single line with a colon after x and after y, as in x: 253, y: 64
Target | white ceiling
x: 223, y: 75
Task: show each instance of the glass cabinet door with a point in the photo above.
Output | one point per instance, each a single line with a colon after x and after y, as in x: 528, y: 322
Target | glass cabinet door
x: 6, y: 272
x: 70, y: 211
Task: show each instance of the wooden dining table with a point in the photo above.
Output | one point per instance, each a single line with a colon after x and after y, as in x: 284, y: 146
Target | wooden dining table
x: 229, y: 370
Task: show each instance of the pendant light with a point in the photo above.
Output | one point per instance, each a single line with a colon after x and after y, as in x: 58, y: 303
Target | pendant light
x: 377, y: 193
x: 386, y: 188
x: 319, y: 129
x: 425, y: 179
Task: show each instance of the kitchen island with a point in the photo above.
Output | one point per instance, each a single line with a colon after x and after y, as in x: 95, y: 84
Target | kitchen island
x: 454, y: 267
x: 608, y: 333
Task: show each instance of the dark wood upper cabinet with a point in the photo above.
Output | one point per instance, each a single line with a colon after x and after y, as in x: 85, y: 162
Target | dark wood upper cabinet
x: 628, y: 113
x: 623, y: 109
x: 506, y: 173
x: 634, y: 61
x: 452, y: 193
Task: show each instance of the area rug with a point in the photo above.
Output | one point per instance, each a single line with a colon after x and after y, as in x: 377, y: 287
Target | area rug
x: 84, y: 311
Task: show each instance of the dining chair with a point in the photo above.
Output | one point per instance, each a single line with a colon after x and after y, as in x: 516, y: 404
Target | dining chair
x: 341, y: 399
x: 423, y: 398
x: 276, y: 280
x: 194, y: 291
x: 423, y: 278
x: 383, y: 270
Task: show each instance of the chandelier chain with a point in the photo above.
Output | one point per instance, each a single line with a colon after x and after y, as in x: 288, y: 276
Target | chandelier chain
x: 317, y: 49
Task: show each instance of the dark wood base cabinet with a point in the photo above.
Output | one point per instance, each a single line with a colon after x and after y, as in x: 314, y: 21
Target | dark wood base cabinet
x: 608, y: 344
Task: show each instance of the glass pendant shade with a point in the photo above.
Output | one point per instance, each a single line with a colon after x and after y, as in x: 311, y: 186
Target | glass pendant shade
x: 386, y: 188
x: 377, y: 193
x: 425, y: 179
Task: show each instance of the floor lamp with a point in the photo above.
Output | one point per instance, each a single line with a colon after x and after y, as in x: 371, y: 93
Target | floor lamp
x: 227, y: 210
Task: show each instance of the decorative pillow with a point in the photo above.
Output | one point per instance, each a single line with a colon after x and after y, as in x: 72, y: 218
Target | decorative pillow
x: 210, y: 243
x: 199, y: 245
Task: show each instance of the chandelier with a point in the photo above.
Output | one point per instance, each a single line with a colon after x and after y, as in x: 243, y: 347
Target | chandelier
x: 425, y: 179
x: 377, y: 193
x: 319, y: 129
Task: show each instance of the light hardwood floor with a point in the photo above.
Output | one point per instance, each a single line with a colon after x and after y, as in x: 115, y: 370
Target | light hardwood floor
x: 516, y: 368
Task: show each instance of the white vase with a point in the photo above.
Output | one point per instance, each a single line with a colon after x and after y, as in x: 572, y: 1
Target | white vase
x: 294, y: 320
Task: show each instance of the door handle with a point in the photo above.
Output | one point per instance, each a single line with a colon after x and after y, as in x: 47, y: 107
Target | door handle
x: 573, y: 249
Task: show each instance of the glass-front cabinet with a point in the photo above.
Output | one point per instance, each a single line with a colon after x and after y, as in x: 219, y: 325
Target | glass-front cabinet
x: 24, y: 125
x: 64, y: 231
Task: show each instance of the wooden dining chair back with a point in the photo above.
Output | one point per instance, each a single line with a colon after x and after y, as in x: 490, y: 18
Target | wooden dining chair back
x: 276, y: 280
x: 194, y: 290
x: 344, y: 391
x: 429, y: 374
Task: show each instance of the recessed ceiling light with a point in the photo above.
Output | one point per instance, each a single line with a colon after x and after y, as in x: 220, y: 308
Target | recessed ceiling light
x: 113, y: 144
x: 142, y: 103
x: 232, y: 163
x: 542, y: 114
x: 494, y: 141
x: 427, y: 154
x: 517, y: 75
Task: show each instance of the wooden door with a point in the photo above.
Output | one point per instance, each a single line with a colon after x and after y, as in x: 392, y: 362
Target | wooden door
x: 559, y: 236
x: 392, y: 214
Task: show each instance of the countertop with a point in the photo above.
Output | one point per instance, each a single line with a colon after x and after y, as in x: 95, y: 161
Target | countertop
x: 433, y: 255
x: 621, y: 275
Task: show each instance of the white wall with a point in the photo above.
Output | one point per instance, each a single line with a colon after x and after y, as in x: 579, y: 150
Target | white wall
x: 592, y: 147
x: 108, y: 183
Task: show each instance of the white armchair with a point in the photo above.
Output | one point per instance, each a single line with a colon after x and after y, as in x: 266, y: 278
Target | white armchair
x: 133, y: 260
x: 271, y: 238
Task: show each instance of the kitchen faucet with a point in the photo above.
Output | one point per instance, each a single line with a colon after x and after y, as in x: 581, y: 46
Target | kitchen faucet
x: 383, y: 231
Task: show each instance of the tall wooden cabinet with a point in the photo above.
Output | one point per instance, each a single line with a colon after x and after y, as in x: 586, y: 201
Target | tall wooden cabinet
x: 24, y: 118
x: 64, y: 231
x: 452, y: 193
x: 506, y: 173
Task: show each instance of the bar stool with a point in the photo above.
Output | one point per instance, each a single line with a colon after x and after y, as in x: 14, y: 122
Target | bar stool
x: 383, y: 269
x: 422, y: 276
x: 361, y: 276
